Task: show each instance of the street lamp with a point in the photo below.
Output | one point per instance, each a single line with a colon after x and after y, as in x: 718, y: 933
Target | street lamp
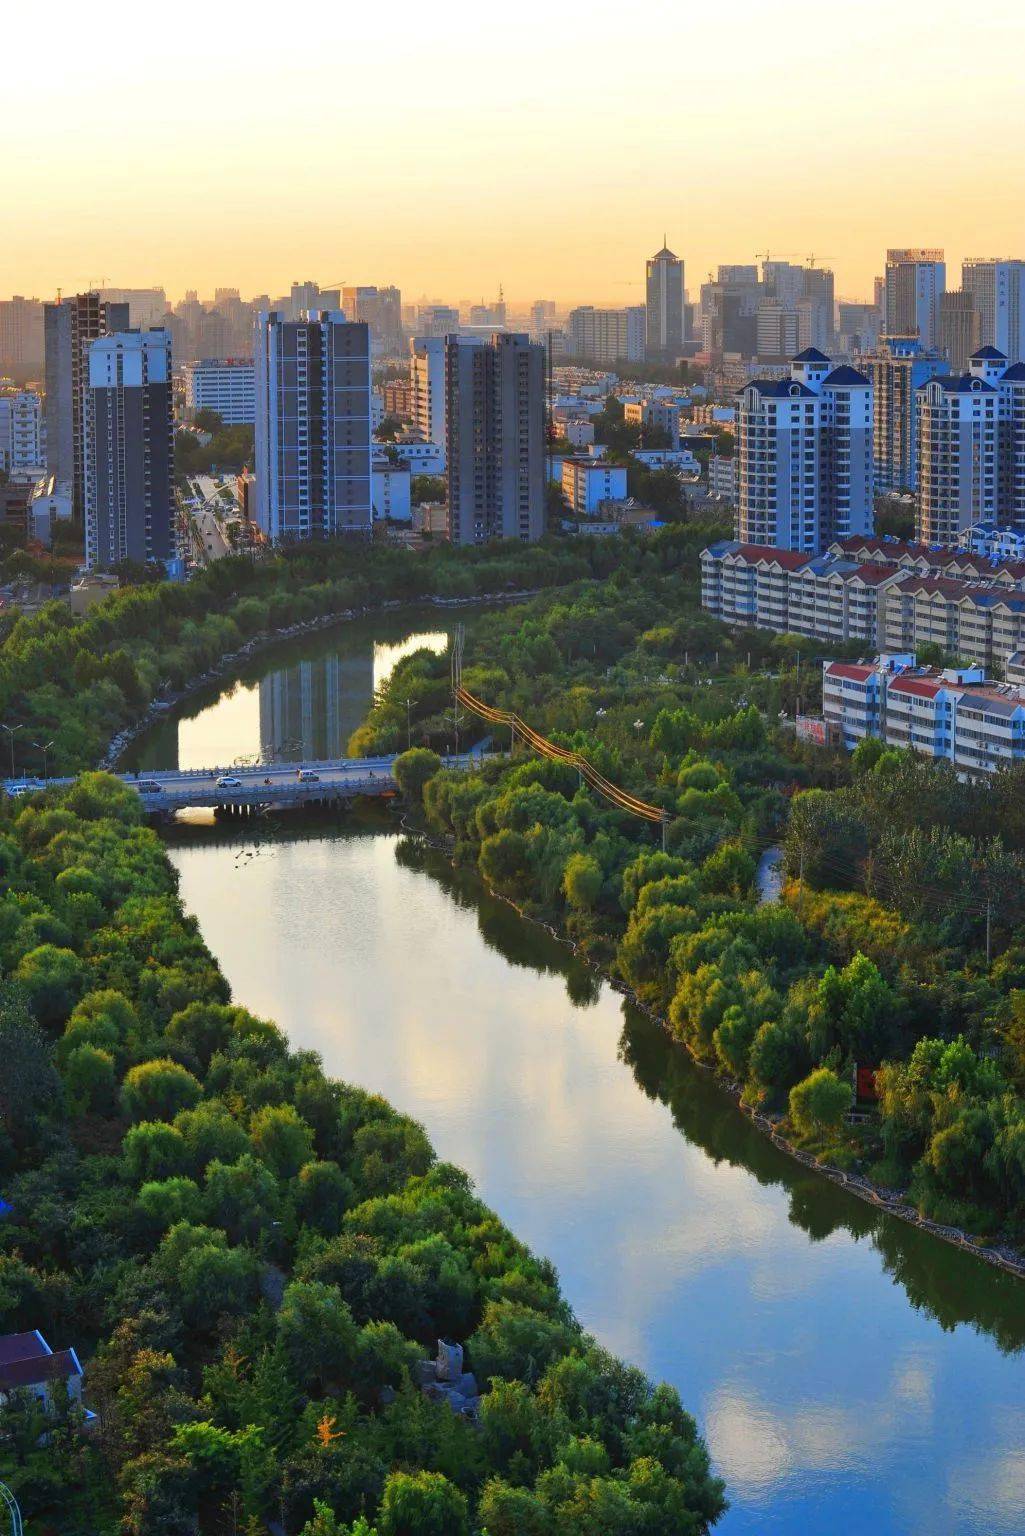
x: 11, y: 730
x: 44, y: 748
x: 409, y: 725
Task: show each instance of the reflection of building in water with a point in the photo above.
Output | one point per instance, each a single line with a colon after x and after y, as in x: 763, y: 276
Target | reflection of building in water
x: 310, y: 710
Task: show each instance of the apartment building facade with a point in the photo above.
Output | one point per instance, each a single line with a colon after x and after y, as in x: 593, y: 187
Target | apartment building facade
x: 607, y: 335
x: 971, y: 448
x: 804, y: 456
x: 895, y: 369
x: 313, y: 426
x: 495, y: 437
x: 587, y: 483
x: 22, y: 440
x: 954, y: 714
x: 915, y: 279
x: 427, y: 387
x: 226, y: 385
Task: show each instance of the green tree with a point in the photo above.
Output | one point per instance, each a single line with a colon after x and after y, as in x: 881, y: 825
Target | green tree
x: 422, y: 1504
x: 52, y: 979
x: 281, y: 1139
x: 158, y: 1089
x: 819, y: 1103
x: 582, y: 881
x: 413, y: 769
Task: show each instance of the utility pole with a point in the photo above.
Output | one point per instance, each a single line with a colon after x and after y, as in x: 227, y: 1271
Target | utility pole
x: 11, y: 730
x: 409, y: 725
x: 989, y: 928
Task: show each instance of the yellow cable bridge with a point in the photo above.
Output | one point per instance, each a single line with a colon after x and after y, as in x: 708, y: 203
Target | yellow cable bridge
x: 587, y: 771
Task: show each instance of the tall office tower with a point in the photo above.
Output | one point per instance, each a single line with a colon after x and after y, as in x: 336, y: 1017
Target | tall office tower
x: 804, y: 456
x: 128, y: 441
x: 21, y: 434
x: 664, y: 333
x: 437, y: 320
x: 495, y: 437
x: 312, y: 439
x: 542, y: 318
x: 70, y: 327
x: 998, y: 292
x: 960, y: 328
x: 607, y: 336
x: 21, y: 337
x: 427, y: 381
x: 776, y: 335
x: 897, y: 366
x: 816, y: 308
x: 146, y: 306
x: 309, y: 296
x: 915, y: 278
x: 783, y: 280
x: 859, y: 327
x: 378, y: 308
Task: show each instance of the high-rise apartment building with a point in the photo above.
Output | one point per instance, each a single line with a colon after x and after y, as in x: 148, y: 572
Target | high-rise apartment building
x: 146, y: 306
x: 804, y: 456
x: 313, y: 415
x: 960, y: 328
x: 915, y: 278
x: 21, y: 337
x: 427, y: 385
x: 776, y: 333
x: 306, y: 297
x: 664, y: 313
x: 21, y: 434
x: 437, y: 320
x: 495, y: 437
x: 70, y: 327
x: 998, y: 294
x: 226, y: 385
x: 128, y: 446
x: 896, y: 368
x: 542, y: 318
x: 607, y: 335
x: 971, y: 448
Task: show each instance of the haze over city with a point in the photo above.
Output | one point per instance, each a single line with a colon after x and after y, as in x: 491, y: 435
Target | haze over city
x: 451, y: 149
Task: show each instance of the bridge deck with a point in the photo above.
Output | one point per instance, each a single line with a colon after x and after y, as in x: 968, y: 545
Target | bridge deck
x: 276, y: 784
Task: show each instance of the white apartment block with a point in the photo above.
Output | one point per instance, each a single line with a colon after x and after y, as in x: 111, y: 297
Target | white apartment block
x: 915, y: 279
x: 804, y: 456
x: 607, y: 335
x: 312, y: 439
x: 427, y: 380
x: 971, y: 448
x: 578, y: 431
x: 588, y: 483
x: 722, y: 478
x: 390, y: 490
x: 953, y: 715
x: 226, y: 385
x: 663, y: 415
x: 896, y: 368
x: 22, y: 438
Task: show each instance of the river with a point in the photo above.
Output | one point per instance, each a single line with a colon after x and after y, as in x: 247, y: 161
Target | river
x: 851, y: 1374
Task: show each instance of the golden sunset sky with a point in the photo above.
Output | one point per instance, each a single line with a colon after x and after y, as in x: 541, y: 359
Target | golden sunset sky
x: 450, y: 147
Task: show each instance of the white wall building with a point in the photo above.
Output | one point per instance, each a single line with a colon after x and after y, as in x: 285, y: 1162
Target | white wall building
x: 804, y: 456
x: 427, y: 378
x: 390, y: 490
x: 22, y: 439
x: 915, y: 279
x: 664, y: 415
x: 971, y: 448
x: 607, y: 335
x: 587, y: 483
x: 998, y: 296
x: 312, y: 441
x: 226, y: 385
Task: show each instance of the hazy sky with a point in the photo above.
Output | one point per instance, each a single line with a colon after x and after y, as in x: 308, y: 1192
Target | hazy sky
x: 453, y: 146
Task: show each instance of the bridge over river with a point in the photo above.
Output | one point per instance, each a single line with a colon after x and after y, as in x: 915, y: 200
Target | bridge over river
x: 242, y: 790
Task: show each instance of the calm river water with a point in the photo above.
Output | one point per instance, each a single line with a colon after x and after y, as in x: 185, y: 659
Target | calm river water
x: 851, y: 1375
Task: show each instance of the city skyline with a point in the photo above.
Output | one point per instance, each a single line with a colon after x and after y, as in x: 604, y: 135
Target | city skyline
x: 384, y: 182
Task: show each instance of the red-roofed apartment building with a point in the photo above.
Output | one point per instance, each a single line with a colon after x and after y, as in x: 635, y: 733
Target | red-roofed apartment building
x: 27, y: 1363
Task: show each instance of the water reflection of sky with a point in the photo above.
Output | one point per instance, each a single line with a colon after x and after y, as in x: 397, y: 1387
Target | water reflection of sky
x: 830, y: 1403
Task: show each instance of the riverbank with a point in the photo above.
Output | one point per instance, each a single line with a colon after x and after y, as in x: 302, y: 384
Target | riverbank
x: 887, y: 1201
x: 169, y: 699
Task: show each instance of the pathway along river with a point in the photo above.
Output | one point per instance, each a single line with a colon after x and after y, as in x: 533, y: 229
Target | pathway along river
x: 851, y: 1374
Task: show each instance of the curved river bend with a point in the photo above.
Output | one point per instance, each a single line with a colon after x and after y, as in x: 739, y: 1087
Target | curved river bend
x: 851, y: 1374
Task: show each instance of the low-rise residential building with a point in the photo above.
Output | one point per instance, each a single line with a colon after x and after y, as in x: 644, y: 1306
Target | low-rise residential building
x: 50, y: 504
x: 28, y: 1364
x: 993, y: 541
x: 954, y: 713
x: 722, y: 478
x: 663, y: 415
x: 390, y: 490
x: 577, y: 430
x: 588, y: 482
x: 422, y: 458
x: 22, y: 439
x: 680, y: 459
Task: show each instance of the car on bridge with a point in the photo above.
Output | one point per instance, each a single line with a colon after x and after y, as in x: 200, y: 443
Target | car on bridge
x: 307, y: 776
x: 228, y: 781
x: 149, y: 787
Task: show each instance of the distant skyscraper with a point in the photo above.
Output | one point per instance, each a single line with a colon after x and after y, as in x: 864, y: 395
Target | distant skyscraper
x: 804, y: 456
x: 312, y: 441
x: 309, y: 296
x: 777, y: 331
x: 542, y: 318
x: 664, y: 304
x: 495, y: 435
x: 915, y: 278
x: 128, y: 441
x: 896, y: 367
x: 70, y: 326
x: 607, y: 336
x: 960, y: 328
x: 427, y: 381
x: 21, y: 337
x: 998, y: 293
x: 146, y: 306
x: 381, y: 310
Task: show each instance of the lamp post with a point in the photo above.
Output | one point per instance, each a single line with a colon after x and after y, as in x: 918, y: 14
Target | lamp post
x: 11, y: 731
x: 44, y: 748
x: 409, y: 725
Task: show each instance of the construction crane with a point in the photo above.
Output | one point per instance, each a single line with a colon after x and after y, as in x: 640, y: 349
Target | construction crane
x: 780, y: 255
x: 811, y: 260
